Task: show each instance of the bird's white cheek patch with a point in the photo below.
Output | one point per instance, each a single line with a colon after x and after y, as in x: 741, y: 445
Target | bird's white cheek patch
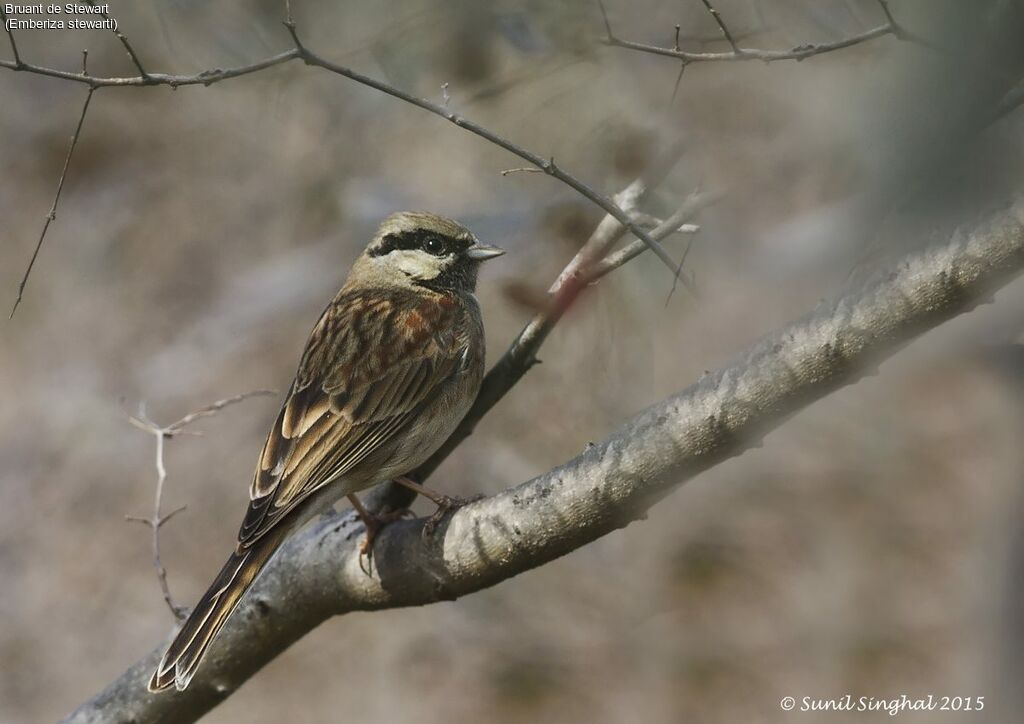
x: 417, y: 264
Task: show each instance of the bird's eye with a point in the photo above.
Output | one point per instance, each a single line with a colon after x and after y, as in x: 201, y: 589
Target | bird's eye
x: 434, y: 245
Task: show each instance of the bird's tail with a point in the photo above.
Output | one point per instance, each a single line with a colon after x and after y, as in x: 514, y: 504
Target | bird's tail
x: 182, y: 657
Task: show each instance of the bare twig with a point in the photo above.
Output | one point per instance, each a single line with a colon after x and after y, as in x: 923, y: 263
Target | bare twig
x: 651, y: 222
x: 157, y: 520
x: 124, y: 41
x: 672, y: 290
x: 607, y: 233
x: 736, y: 53
x: 211, y: 410
x: 604, y: 15
x: 800, y: 52
x: 10, y: 36
x: 721, y: 26
x: 679, y: 79
x: 205, y: 78
x: 521, y: 169
x: 609, y: 230
x: 694, y: 203
x: 897, y: 29
x: 56, y: 197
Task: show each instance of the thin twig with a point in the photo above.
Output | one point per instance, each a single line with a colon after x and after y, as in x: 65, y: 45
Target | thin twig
x: 686, y: 252
x: 607, y: 233
x: 736, y: 53
x: 604, y: 15
x: 124, y: 41
x: 10, y: 36
x: 205, y: 78
x: 609, y: 230
x: 721, y: 26
x: 651, y: 222
x: 156, y: 521
x: 694, y: 203
x: 211, y: 410
x: 56, y: 198
x: 521, y: 169
x: 800, y: 52
x: 746, y: 54
x: 679, y: 79
x: 897, y: 29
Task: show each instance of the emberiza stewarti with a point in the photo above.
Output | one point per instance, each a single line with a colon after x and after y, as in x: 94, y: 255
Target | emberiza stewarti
x: 388, y: 372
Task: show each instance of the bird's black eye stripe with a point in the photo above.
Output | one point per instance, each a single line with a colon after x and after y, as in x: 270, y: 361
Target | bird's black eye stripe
x: 391, y: 242
x: 429, y: 241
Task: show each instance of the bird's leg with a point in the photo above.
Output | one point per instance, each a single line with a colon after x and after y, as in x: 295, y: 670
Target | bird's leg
x: 445, y: 503
x: 373, y: 524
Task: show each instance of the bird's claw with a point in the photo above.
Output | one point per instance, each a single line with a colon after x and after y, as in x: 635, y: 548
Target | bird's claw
x: 445, y: 505
x: 373, y: 526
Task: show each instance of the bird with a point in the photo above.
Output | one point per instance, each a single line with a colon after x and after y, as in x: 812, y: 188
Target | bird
x: 390, y: 368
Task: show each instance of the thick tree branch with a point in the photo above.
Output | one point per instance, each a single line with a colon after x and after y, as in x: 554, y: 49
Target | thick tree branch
x: 316, y: 574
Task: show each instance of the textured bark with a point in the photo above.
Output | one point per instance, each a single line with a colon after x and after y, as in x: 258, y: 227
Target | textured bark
x: 316, y: 574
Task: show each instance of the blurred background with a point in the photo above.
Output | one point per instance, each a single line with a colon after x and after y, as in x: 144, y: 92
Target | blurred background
x: 874, y: 546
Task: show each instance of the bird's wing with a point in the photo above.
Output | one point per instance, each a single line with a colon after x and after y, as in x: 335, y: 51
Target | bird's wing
x: 370, y: 364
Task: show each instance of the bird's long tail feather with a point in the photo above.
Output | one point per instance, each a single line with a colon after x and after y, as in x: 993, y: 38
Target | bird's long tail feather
x: 186, y: 651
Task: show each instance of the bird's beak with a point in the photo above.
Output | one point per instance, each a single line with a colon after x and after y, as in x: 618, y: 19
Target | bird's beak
x: 482, y: 252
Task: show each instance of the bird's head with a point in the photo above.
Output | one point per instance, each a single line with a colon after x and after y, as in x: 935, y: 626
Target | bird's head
x: 420, y: 249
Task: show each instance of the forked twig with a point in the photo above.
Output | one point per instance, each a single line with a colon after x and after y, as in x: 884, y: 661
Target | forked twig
x: 157, y: 520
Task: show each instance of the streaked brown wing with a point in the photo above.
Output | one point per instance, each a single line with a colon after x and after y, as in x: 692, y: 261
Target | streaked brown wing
x: 370, y: 364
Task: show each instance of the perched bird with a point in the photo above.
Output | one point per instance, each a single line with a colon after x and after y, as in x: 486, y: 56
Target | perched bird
x: 389, y: 370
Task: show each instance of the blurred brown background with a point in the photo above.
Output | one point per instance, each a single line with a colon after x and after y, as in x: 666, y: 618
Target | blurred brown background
x: 871, y: 547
